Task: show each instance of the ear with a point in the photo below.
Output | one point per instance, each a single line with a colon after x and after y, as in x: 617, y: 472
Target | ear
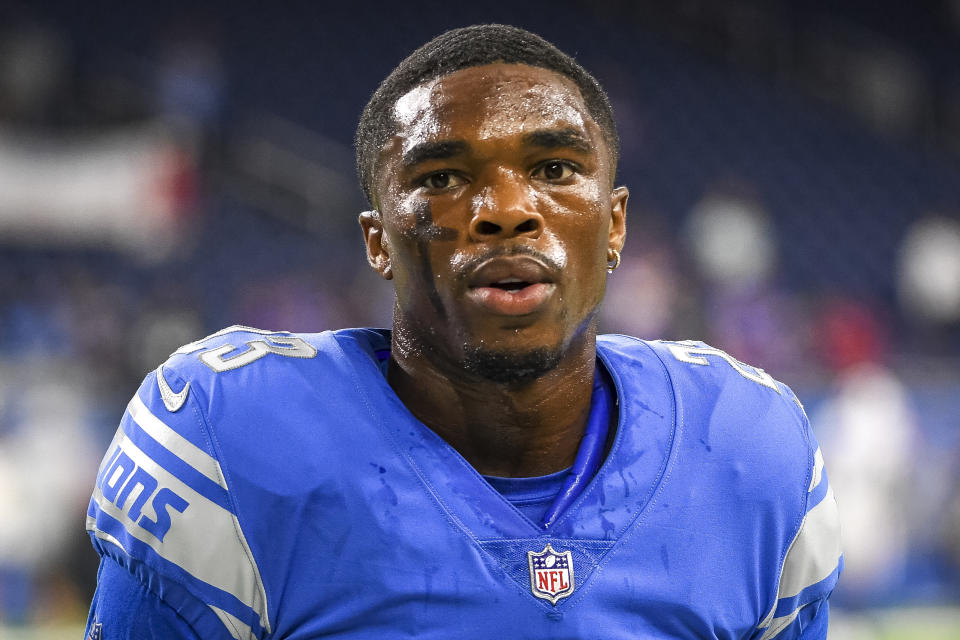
x: 618, y: 218
x: 377, y: 251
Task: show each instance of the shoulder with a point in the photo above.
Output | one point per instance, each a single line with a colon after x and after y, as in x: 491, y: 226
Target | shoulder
x: 703, y: 376
x: 748, y: 427
x: 244, y: 361
x: 749, y: 434
x: 239, y: 347
x: 737, y: 397
x: 242, y: 392
x: 166, y: 503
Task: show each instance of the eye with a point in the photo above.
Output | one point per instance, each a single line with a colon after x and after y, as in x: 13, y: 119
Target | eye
x: 442, y: 180
x: 555, y: 170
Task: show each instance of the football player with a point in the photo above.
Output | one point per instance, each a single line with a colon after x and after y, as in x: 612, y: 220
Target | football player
x: 491, y: 467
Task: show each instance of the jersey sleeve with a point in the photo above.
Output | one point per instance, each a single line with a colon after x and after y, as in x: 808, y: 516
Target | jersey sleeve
x: 125, y: 609
x: 812, y: 564
x: 162, y: 512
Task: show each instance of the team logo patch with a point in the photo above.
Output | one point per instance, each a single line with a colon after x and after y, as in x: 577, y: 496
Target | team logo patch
x: 551, y: 574
x: 96, y: 631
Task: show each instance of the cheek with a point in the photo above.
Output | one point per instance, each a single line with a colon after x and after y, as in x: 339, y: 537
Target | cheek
x: 420, y: 249
x: 405, y: 253
x: 582, y: 223
x: 413, y: 276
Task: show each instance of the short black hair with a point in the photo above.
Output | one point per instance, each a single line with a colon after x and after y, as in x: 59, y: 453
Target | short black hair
x: 460, y: 49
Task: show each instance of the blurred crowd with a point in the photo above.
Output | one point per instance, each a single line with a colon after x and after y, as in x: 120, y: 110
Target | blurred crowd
x: 797, y: 214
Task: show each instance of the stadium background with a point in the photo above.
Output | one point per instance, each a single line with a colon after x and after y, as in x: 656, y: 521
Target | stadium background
x: 172, y: 168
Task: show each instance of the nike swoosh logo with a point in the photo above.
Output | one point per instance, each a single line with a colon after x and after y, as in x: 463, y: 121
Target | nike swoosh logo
x: 172, y: 401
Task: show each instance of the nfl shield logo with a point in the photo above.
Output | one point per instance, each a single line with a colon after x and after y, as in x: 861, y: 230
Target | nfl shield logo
x: 551, y: 574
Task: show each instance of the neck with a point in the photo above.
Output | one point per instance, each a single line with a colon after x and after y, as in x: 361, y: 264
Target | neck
x: 502, y: 429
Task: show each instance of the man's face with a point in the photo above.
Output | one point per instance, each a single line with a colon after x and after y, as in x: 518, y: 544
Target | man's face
x: 497, y: 216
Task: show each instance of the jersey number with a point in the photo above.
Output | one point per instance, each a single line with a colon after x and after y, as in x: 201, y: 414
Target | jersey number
x: 223, y: 357
x: 692, y: 353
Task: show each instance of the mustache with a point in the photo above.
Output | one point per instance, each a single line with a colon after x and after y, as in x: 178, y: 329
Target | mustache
x: 464, y: 270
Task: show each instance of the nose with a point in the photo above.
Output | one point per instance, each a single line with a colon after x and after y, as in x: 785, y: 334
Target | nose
x: 505, y: 209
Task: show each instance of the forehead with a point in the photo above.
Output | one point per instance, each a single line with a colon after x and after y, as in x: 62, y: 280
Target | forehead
x: 490, y: 101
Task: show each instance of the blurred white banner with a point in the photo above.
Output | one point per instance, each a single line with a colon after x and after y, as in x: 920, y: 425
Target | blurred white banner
x: 124, y: 189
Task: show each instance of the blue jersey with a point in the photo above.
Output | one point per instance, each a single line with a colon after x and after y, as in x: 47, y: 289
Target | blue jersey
x: 272, y: 485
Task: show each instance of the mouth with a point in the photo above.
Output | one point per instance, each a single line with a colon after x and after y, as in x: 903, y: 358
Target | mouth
x: 511, y: 286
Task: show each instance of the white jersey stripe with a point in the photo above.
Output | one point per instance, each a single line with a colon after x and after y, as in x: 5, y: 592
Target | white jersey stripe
x: 817, y: 470
x: 815, y: 551
x: 237, y: 628
x: 170, y: 439
x: 779, y: 624
x: 103, y: 535
x: 205, y: 540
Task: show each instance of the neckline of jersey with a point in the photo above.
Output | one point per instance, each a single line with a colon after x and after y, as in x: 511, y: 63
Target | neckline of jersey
x: 573, y: 480
x: 626, y: 482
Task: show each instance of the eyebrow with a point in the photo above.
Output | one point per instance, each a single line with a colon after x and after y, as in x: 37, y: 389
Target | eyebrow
x: 433, y: 151
x: 559, y: 138
x: 544, y: 138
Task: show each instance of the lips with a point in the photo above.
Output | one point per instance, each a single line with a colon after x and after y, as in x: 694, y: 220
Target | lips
x: 512, y: 286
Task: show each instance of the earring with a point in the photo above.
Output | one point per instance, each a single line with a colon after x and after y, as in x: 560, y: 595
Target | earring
x: 613, y: 255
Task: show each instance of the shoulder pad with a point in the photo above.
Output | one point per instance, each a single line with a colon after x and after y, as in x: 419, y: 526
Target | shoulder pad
x: 765, y: 422
x: 199, y: 365
x: 162, y: 505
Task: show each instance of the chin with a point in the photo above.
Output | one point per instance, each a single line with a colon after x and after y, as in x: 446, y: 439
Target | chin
x: 511, y: 367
